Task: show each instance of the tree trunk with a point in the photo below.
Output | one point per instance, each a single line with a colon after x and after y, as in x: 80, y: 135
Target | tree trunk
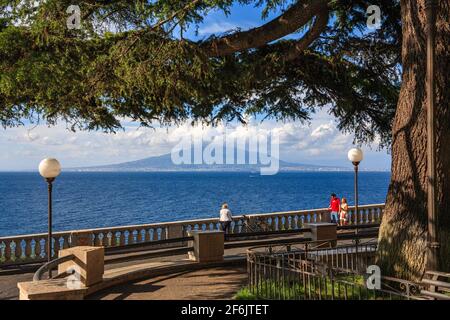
x: 403, y: 232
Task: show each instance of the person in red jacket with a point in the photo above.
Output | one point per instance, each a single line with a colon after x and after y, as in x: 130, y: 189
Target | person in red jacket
x: 335, y: 206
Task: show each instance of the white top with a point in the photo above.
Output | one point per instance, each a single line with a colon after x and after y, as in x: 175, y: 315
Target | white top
x: 225, y: 215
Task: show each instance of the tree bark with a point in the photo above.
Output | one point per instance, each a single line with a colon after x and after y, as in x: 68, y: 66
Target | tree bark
x: 403, y: 232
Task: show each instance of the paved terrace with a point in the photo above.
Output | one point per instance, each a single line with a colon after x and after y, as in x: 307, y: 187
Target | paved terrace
x: 165, y: 287
x: 180, y: 278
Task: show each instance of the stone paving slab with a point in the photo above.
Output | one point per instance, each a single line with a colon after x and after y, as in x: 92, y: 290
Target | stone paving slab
x: 205, y: 284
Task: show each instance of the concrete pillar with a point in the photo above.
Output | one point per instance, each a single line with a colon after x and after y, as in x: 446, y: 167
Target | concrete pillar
x: 208, y: 245
x: 322, y: 231
x: 88, y: 263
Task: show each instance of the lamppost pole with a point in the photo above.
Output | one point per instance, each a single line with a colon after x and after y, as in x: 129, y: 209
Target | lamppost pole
x: 49, y: 238
x: 49, y: 169
x: 355, y: 165
x: 433, y: 242
x: 356, y: 155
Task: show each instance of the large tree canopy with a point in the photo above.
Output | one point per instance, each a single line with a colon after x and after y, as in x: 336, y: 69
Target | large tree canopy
x: 141, y: 60
x: 134, y: 59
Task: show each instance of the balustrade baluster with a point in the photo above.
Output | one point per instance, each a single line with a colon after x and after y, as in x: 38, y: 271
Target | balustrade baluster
x: 234, y: 227
x: 114, y: 240
x: 98, y: 239
x: 65, y: 241
x: 28, y: 249
x: 122, y: 238
x: 56, y: 246
x: 287, y: 224
x: 45, y: 249
x: 272, y: 224
x: 295, y: 221
x: 140, y: 236
x: 130, y: 239
x: 104, y: 239
x: 36, y: 249
x: 164, y: 232
x: 7, y: 250
x: 17, y: 250
x: 152, y: 234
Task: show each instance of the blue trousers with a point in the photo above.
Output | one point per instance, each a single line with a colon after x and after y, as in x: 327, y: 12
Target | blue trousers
x: 334, y: 217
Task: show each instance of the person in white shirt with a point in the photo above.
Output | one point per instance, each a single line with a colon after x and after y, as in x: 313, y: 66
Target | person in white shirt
x: 225, y: 218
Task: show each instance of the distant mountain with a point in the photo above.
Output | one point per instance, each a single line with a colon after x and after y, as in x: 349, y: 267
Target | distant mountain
x: 165, y: 163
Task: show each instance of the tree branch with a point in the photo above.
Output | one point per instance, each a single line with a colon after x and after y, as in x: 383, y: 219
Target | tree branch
x: 314, y: 32
x: 290, y: 21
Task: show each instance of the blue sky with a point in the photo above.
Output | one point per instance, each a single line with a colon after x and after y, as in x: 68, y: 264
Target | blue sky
x: 316, y: 143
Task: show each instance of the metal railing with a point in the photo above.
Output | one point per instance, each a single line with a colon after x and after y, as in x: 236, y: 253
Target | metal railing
x: 316, y: 271
x: 50, y: 266
x: 32, y: 248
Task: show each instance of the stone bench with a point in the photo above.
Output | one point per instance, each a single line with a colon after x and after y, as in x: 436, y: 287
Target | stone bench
x: 52, y: 289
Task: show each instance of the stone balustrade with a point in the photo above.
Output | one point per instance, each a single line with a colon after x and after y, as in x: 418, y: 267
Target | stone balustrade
x: 33, y: 248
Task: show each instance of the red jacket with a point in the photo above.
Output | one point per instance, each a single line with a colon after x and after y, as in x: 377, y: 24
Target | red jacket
x: 335, y: 205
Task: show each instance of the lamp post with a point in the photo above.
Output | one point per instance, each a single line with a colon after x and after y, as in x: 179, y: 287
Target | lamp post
x: 433, y: 242
x: 49, y: 168
x: 356, y: 155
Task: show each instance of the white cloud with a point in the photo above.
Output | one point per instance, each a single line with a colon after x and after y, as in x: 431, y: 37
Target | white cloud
x: 319, y: 143
x: 216, y: 27
x: 323, y: 131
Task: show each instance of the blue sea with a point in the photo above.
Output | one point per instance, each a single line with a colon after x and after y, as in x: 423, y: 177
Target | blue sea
x: 92, y: 200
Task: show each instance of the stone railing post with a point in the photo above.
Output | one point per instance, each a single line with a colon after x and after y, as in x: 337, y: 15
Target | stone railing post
x: 326, y: 217
x: 80, y: 239
x: 175, y: 231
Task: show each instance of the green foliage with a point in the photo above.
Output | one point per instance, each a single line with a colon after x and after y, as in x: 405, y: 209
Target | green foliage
x: 245, y: 294
x: 342, y: 287
x: 130, y: 60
